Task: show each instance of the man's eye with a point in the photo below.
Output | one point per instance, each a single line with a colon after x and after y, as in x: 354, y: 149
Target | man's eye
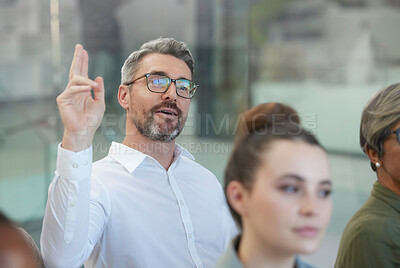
x: 159, y: 82
x: 183, y: 85
x: 183, y: 88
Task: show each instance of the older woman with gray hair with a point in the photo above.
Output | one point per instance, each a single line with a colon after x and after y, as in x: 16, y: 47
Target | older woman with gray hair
x: 372, y: 236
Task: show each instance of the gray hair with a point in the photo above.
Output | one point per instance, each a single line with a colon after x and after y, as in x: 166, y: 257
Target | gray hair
x: 379, y: 115
x: 166, y: 46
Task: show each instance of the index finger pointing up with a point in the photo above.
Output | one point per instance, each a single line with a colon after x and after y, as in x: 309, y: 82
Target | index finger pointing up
x: 77, y: 62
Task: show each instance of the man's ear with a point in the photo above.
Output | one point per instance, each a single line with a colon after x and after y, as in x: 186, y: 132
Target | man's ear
x: 236, y: 195
x: 123, y: 96
x: 372, y: 155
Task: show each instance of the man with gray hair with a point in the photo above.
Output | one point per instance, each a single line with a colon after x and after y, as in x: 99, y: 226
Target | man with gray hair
x: 147, y: 204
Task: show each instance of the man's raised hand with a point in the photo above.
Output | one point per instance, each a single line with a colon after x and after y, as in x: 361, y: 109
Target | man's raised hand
x: 80, y: 112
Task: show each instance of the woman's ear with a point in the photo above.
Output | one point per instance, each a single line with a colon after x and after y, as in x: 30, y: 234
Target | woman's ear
x: 123, y: 96
x: 236, y: 195
x: 372, y: 155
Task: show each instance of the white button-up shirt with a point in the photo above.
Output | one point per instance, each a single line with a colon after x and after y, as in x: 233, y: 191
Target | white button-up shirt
x: 128, y: 211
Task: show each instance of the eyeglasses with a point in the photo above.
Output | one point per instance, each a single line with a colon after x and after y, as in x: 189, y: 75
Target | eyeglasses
x: 397, y: 132
x: 160, y: 83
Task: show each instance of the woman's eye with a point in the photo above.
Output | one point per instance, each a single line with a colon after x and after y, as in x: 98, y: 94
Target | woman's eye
x: 324, y: 193
x: 290, y: 189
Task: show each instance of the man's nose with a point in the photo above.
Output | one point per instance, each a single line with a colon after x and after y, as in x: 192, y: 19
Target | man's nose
x: 170, y: 94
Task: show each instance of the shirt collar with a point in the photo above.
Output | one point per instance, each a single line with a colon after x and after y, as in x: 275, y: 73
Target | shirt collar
x: 130, y: 158
x: 180, y: 151
x: 231, y: 259
x: 381, y: 192
x: 299, y: 264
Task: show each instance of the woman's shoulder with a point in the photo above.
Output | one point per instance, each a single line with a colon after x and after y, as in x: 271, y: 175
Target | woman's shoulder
x: 373, y: 222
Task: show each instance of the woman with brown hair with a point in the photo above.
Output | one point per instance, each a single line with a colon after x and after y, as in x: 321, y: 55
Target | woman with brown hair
x: 277, y: 183
x: 17, y: 248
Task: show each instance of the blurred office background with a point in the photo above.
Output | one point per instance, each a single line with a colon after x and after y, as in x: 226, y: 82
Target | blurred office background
x: 326, y: 58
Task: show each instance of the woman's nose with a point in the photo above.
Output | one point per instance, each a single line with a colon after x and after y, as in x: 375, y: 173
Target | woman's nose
x: 310, y: 206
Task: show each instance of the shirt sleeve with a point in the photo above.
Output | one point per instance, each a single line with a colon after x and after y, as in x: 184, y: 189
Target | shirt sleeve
x: 73, y: 221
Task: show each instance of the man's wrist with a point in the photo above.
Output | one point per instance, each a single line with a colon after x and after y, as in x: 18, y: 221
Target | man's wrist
x: 74, y: 166
x: 76, y: 142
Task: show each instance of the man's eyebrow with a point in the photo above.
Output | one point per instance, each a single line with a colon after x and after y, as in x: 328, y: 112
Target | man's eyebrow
x: 164, y: 74
x: 159, y: 73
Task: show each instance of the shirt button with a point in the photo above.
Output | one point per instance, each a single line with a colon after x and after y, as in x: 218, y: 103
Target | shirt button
x: 181, y: 202
x: 85, y: 163
x: 73, y: 204
x: 190, y: 235
x: 74, y: 165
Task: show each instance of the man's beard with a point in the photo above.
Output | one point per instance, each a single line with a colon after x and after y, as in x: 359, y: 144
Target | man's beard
x: 153, y: 130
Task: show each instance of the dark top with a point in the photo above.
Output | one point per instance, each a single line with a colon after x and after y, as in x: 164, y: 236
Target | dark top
x: 372, y: 236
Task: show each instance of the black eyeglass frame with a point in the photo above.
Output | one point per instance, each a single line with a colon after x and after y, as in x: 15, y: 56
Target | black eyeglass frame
x: 169, y: 84
x: 397, y: 132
